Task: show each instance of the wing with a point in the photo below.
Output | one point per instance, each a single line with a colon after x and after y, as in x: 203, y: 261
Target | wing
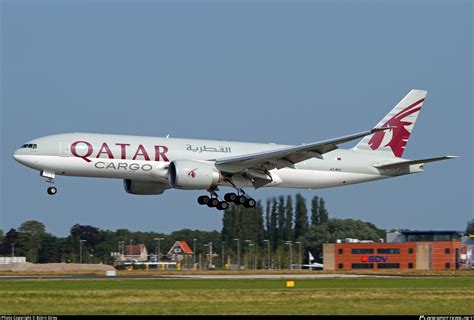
x: 285, y: 157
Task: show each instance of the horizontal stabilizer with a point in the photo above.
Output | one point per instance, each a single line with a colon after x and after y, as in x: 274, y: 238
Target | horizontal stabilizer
x: 410, y: 162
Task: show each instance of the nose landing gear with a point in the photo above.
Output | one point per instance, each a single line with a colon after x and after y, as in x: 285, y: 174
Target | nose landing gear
x: 52, y: 190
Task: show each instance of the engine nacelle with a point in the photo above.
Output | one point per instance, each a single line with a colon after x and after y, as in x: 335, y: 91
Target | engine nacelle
x: 144, y: 187
x: 192, y: 175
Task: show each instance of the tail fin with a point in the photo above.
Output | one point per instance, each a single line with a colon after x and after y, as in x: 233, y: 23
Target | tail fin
x: 402, y: 118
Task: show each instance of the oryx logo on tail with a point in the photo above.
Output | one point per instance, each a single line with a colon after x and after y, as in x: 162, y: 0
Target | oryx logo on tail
x: 402, y: 119
x: 400, y: 133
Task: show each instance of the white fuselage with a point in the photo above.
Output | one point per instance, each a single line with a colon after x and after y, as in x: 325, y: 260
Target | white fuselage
x: 148, y: 159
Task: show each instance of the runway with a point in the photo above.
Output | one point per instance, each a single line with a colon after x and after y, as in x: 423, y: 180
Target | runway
x: 236, y: 276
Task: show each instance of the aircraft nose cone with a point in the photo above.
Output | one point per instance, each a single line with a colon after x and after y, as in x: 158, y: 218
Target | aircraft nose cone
x: 27, y: 158
x: 16, y: 156
x: 20, y: 157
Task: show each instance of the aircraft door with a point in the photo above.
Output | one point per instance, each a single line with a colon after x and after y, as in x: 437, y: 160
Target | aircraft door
x: 64, y: 149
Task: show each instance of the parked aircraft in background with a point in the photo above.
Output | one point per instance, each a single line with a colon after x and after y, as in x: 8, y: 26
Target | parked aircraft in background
x: 313, y: 266
x: 149, y: 165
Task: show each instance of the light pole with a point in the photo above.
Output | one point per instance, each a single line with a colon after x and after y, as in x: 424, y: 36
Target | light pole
x: 205, y: 248
x: 158, y: 258
x: 249, y: 254
x: 255, y: 261
x: 121, y: 246
x: 209, y: 255
x: 194, y: 252
x: 80, y: 249
x: 238, y: 253
x: 223, y: 259
x: 299, y: 254
x: 291, y: 254
x: 253, y: 264
x: 129, y: 247
x: 268, y: 253
x: 13, y: 249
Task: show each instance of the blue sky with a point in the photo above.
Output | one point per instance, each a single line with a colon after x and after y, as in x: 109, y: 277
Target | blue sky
x: 285, y: 72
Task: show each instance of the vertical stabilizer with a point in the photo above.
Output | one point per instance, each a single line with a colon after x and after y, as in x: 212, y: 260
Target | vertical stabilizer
x: 402, y: 118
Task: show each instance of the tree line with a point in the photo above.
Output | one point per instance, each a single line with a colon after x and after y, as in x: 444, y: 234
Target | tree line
x: 272, y: 234
x: 32, y: 241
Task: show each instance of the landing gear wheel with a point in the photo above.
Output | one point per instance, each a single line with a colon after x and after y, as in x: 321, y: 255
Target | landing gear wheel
x: 222, y: 205
x: 213, y: 202
x: 240, y: 200
x: 202, y: 200
x: 230, y: 197
x: 52, y: 191
x: 250, y: 203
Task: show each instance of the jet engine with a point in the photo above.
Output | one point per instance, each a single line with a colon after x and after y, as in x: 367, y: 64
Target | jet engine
x: 144, y: 187
x: 192, y: 175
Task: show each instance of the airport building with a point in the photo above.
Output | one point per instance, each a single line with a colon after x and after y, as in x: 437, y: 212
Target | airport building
x: 416, y: 250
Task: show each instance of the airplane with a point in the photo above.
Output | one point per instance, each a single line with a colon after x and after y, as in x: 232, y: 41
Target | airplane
x: 150, y: 165
x: 313, y: 266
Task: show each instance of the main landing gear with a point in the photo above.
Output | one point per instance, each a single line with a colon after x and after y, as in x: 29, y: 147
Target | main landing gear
x: 52, y: 190
x: 242, y: 200
x: 239, y: 199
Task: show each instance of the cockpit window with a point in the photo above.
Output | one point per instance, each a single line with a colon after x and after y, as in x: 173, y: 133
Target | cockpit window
x: 30, y: 146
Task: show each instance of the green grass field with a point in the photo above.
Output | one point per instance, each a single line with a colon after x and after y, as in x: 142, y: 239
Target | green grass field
x: 441, y: 295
